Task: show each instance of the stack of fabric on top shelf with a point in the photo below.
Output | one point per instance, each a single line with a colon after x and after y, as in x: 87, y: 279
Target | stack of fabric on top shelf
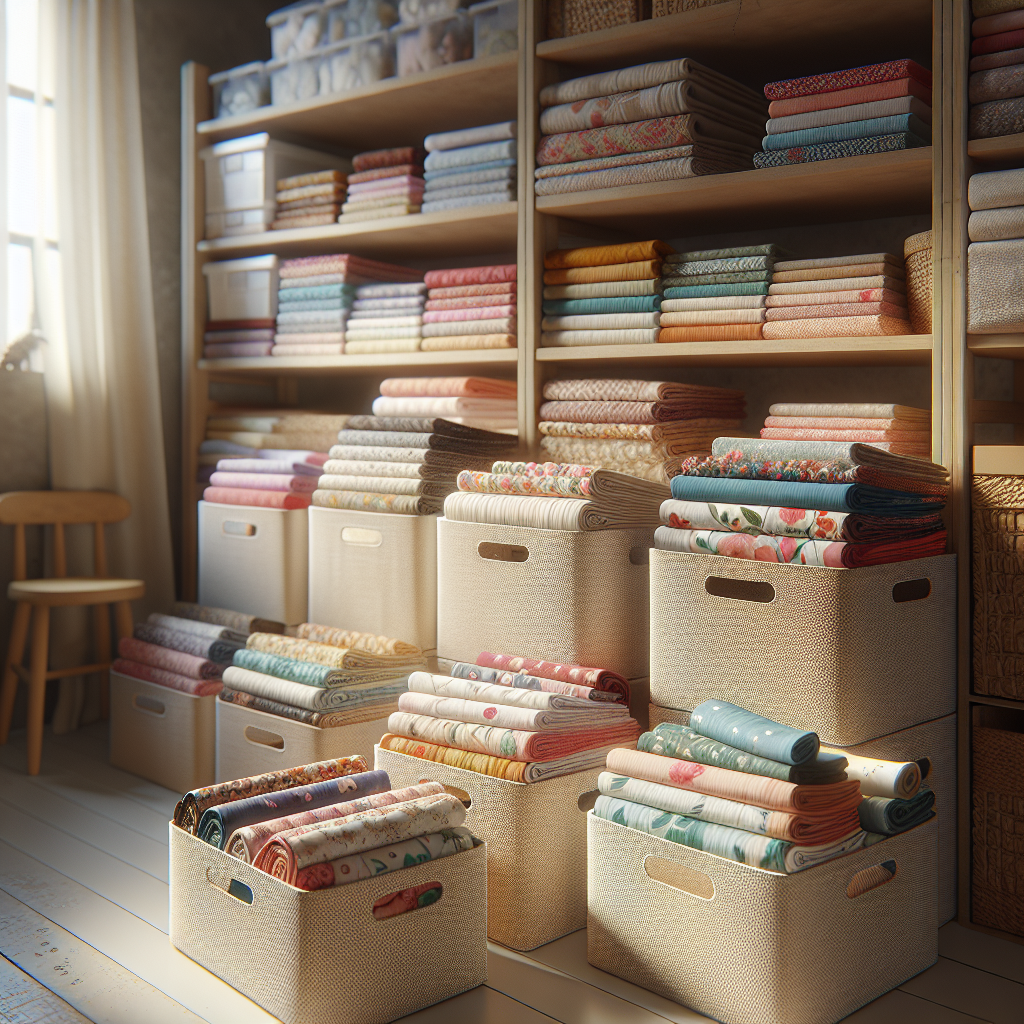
x: 471, y: 167
x: 838, y: 297
x: 653, y: 122
x: 716, y: 294
x: 316, y: 296
x: 386, y: 183
x: 872, y: 109
x: 613, y: 295
x: 309, y: 200
x: 996, y: 88
x: 740, y: 786
x: 386, y: 318
x: 470, y: 308
x: 231, y: 339
x: 509, y: 725
x: 638, y: 427
x: 830, y: 503
x: 293, y: 461
x: 322, y: 676
x: 995, y: 257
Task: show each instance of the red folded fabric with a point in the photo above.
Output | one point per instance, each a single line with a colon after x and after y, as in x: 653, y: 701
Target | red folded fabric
x: 470, y: 275
x: 447, y: 387
x: 598, y: 678
x: 263, y: 499
x: 187, y: 665
x: 857, y: 556
x: 849, y: 78
x: 161, y: 677
x: 996, y: 23
x: 388, y: 158
x: 468, y: 290
x: 265, y: 482
x: 999, y: 42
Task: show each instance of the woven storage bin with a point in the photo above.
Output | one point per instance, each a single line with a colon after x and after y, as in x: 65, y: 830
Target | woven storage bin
x: 997, y: 535
x: 320, y: 957
x: 997, y: 872
x: 569, y: 597
x: 161, y: 734
x: 374, y: 572
x: 747, y: 946
x: 661, y: 8
x: 917, y: 250
x: 251, y: 742
x: 572, y: 17
x: 537, y: 890
x: 253, y: 560
x: 850, y: 653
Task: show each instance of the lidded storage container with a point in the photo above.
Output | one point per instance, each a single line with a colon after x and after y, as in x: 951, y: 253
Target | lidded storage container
x: 239, y: 90
x: 297, y: 29
x: 244, y: 289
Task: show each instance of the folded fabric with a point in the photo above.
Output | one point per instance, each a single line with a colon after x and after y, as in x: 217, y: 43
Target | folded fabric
x: 381, y: 646
x: 672, y: 278
x: 381, y: 173
x: 783, y: 289
x: 396, y: 209
x: 387, y: 158
x: 169, y: 660
x: 704, y: 153
x: 524, y: 681
x: 468, y: 687
x: 475, y: 174
x: 368, y: 708
x: 811, y: 153
x: 995, y: 23
x: 572, y: 514
x: 632, y: 411
x: 866, y: 129
x: 644, y: 270
x: 505, y: 164
x: 464, y: 155
x: 995, y: 297
x: 206, y: 630
x: 828, y: 298
x: 378, y: 687
x: 901, y: 425
x: 497, y: 325
x: 849, y: 97
x: 848, y: 309
x: 997, y: 84
x: 382, y: 345
x: 674, y: 436
x: 507, y: 298
x: 1000, y: 59
x: 312, y: 674
x: 307, y: 350
x: 600, y: 322
x: 900, y: 433
x: 605, y: 255
x: 375, y: 501
x: 727, y: 723
x: 709, y: 291
x: 564, y: 480
x: 891, y: 815
x: 580, y: 675
x: 470, y: 276
x: 996, y: 189
x: 440, y: 316
x: 998, y: 117
x: 709, y: 317
x: 401, y: 470
x: 436, y: 193
x: 469, y: 291
x: 468, y: 341
x: 389, y: 485
x: 832, y: 81
x: 305, y: 648
x: 598, y: 306
x: 722, y: 332
x: 854, y: 112
x: 294, y: 484
x: 996, y: 225
x: 217, y: 337
x: 879, y: 325
x: 263, y: 499
x: 217, y: 823
x: 621, y: 336
x: 237, y: 349
x: 218, y: 651
x: 505, y: 196
x: 998, y: 41
x: 603, y: 290
x: 262, y: 466
x: 882, y: 778
x: 203, y: 687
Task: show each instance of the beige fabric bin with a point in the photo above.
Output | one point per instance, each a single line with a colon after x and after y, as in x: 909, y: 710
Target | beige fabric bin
x: 374, y: 572
x: 161, y: 734
x: 935, y: 741
x: 554, y: 594
x: 251, y: 742
x: 851, y: 653
x: 322, y: 957
x: 253, y: 560
x: 536, y: 844
x: 747, y: 946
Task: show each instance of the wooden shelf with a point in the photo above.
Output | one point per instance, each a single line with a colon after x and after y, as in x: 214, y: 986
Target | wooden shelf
x: 1003, y: 147
x: 487, y: 358
x: 996, y: 702
x: 906, y: 350
x: 877, y: 185
x: 997, y: 346
x: 393, y: 112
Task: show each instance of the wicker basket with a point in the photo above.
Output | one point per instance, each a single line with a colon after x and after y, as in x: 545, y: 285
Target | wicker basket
x: 917, y: 250
x: 661, y: 8
x: 997, y: 876
x: 572, y: 17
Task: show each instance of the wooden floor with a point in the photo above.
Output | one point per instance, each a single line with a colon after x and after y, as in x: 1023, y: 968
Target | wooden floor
x: 83, y: 927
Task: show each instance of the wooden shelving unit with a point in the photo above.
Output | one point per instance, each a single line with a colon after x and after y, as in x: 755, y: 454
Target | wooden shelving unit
x: 480, y: 360
x: 1004, y: 148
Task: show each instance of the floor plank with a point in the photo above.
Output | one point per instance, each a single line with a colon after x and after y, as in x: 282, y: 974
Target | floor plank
x: 970, y: 991
x: 24, y: 1001
x: 986, y: 952
x: 899, y: 1007
x: 482, y: 1005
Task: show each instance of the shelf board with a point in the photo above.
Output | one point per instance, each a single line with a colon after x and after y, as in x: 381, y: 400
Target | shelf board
x: 463, y: 232
x: 361, y: 363
x: 996, y: 702
x: 997, y: 346
x: 876, y: 185
x: 1003, y: 147
x: 905, y: 350
x: 392, y: 112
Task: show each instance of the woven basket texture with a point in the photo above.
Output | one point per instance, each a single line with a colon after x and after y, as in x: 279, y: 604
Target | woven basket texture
x: 243, y: 734
x: 997, y: 536
x: 173, y: 747
x: 831, y: 651
x: 661, y: 8
x: 997, y: 871
x: 260, y: 574
x: 383, y: 581
x: 764, y: 948
x: 919, y: 282
x: 577, y: 597
x: 536, y: 839
x: 579, y: 16
x: 321, y: 957
x: 995, y: 287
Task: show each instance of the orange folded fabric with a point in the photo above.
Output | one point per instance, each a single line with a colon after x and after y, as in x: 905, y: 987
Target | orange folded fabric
x: 643, y: 270
x: 606, y: 255
x: 448, y: 387
x: 710, y: 332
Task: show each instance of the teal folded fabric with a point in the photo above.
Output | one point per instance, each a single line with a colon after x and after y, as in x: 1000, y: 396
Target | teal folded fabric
x: 767, y: 249
x: 890, y: 815
x: 670, y: 280
x: 839, y: 150
x: 308, y: 305
x: 850, y: 130
x: 727, y: 723
x: 621, y: 304
x: 485, y: 153
x: 711, y: 291
x: 316, y: 291
x: 287, y: 668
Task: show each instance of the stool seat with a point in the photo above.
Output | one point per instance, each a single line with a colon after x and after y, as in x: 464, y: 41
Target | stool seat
x: 66, y: 591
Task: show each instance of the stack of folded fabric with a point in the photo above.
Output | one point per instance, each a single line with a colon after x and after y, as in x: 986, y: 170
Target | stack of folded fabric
x: 470, y: 308
x: 213, y: 453
x: 406, y: 464
x: 386, y: 318
x: 838, y: 297
x: 386, y: 183
x: 524, y: 731
x: 995, y: 257
x: 716, y: 294
x: 274, y: 429
x: 471, y: 167
x: 872, y: 109
x: 603, y: 294
x: 653, y: 122
x: 309, y: 200
x: 322, y: 676
x: 996, y: 88
x: 233, y: 339
x: 638, y: 427
x: 841, y: 505
x: 316, y: 296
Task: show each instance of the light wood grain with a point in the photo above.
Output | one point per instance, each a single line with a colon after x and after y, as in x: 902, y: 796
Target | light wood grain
x: 1002, y: 149
x: 24, y: 1001
x: 899, y: 1007
x: 489, y: 359
x: 997, y: 346
x: 44, y: 507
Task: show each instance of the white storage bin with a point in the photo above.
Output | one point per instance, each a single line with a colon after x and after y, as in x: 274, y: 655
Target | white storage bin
x: 432, y: 44
x: 251, y: 742
x: 348, y: 19
x: 244, y: 289
x: 374, y: 572
x: 410, y: 11
x: 240, y: 222
x: 242, y: 174
x: 239, y: 90
x: 293, y: 79
x: 318, y: 957
x: 161, y: 734
x: 254, y: 560
x: 354, y: 63
x: 297, y: 28
x: 495, y: 27
x: 748, y: 946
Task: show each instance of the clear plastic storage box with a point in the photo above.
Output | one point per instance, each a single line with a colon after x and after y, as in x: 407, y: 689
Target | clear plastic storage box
x: 296, y: 29
x: 432, y: 44
x: 416, y: 11
x: 349, y: 19
x: 495, y: 27
x: 293, y: 79
x: 244, y: 289
x: 239, y: 90
x: 354, y: 63
x: 240, y: 222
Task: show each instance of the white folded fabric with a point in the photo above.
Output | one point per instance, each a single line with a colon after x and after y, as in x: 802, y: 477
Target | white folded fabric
x: 600, y: 322
x: 717, y: 302
x: 484, y: 408
x: 713, y: 316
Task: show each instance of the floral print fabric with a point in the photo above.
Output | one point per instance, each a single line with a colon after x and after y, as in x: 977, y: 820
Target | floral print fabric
x: 374, y: 687
x: 382, y: 646
x: 599, y: 678
x: 727, y: 723
x: 467, y: 687
x: 164, y: 677
x: 833, y: 81
x: 365, y: 501
x: 524, y: 681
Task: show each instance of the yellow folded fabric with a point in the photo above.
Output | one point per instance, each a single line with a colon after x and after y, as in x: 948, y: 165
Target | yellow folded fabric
x: 721, y: 332
x: 467, y: 341
x: 605, y: 255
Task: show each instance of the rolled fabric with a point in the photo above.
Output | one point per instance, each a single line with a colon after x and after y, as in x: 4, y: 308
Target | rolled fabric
x: 312, y: 698
x: 304, y: 672
x: 727, y: 723
x: 524, y: 681
x: 468, y: 688
x: 504, y: 717
x: 900, y: 779
x: 169, y: 660
x: 581, y: 675
x: 370, y: 704
x: 219, y: 651
x: 245, y: 842
x: 889, y: 816
x: 406, y: 900
x: 164, y: 677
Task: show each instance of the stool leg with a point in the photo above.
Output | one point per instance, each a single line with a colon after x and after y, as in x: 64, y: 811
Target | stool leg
x: 37, y: 686
x: 101, y: 615
x: 15, y: 651
x: 123, y: 619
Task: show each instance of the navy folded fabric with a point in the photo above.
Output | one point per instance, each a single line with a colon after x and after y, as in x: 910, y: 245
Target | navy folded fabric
x: 619, y: 304
x: 889, y: 815
x: 727, y: 723
x: 850, y: 130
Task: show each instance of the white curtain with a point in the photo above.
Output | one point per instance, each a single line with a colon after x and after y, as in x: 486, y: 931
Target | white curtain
x: 96, y: 307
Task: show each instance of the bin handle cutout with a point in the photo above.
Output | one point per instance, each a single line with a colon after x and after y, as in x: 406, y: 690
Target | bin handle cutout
x: 912, y: 590
x: 148, y: 705
x: 639, y: 556
x: 263, y: 738
x: 406, y: 901
x: 679, y: 876
x: 872, y: 878
x: 740, y: 590
x: 925, y: 764
x: 362, y: 537
x: 502, y: 552
x: 587, y: 800
x: 234, y: 528
x: 232, y: 886
x: 467, y: 800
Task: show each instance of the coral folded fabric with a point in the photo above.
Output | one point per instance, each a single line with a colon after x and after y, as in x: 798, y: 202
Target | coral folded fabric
x: 169, y: 660
x: 580, y: 675
x: 262, y: 499
x: 197, y: 687
x: 848, y: 97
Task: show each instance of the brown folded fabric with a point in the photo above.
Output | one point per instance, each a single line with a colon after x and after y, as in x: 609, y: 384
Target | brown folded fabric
x: 388, y: 158
x: 829, y: 273
x: 396, y: 171
x: 240, y: 325
x: 997, y: 84
x: 1002, y: 59
x: 315, y: 178
x: 606, y: 255
x: 313, y: 203
x: 710, y: 332
x: 993, y: 24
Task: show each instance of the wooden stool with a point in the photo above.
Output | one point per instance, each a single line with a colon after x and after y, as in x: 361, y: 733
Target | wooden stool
x: 59, y: 509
